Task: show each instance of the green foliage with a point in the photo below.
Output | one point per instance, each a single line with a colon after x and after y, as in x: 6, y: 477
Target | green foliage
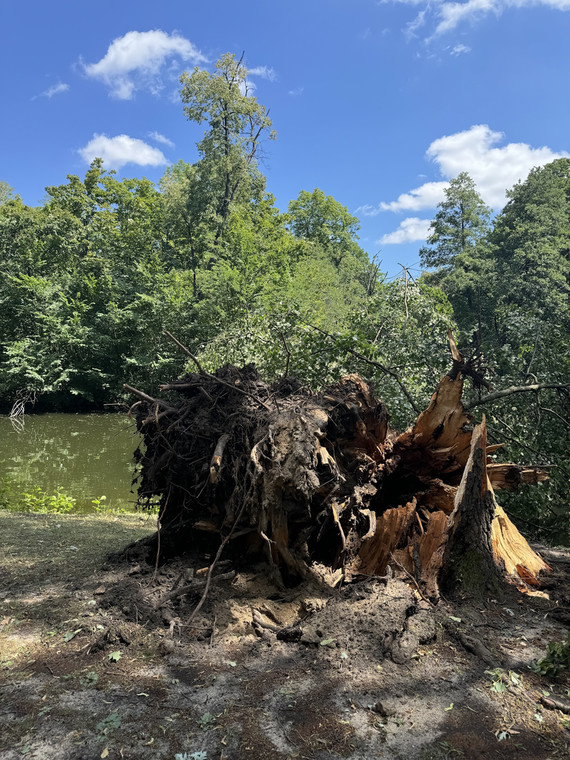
x: 237, y: 123
x: 532, y: 241
x: 401, y: 328
x: 6, y: 192
x: 321, y: 219
x: 457, y: 248
x: 38, y: 500
x: 557, y: 658
x: 509, y: 290
x: 460, y: 225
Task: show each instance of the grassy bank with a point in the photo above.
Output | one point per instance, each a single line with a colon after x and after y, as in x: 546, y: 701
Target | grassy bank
x: 38, y: 548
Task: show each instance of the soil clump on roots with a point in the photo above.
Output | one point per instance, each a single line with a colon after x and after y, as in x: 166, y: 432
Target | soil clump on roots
x: 319, y: 487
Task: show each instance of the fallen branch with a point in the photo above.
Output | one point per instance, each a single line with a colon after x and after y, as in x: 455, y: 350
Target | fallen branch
x: 192, y: 587
x: 373, y: 363
x: 186, y: 351
x: 555, y: 704
x: 149, y: 399
x: 490, y: 397
x: 214, y: 377
x: 216, y: 461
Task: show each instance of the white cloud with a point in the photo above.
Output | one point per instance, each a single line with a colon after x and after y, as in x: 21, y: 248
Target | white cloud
x: 265, y: 72
x: 138, y: 59
x: 120, y: 150
x: 296, y: 92
x: 157, y: 137
x: 459, y: 49
x: 55, y: 89
x: 247, y: 87
x: 427, y: 195
x: 413, y: 26
x: 477, y: 151
x: 452, y: 14
x: 443, y: 16
x: 493, y: 169
x: 410, y: 230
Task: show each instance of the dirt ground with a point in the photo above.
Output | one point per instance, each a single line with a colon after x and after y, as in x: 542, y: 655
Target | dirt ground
x: 93, y: 665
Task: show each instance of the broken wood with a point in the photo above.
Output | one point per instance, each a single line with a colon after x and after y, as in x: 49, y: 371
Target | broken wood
x: 318, y: 479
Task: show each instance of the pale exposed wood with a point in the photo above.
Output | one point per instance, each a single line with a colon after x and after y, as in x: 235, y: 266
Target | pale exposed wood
x: 439, y: 496
x: 456, y: 355
x: 391, y: 526
x: 444, y: 424
x: 510, y: 476
x: 327, y: 482
x: 431, y: 551
x: 216, y: 461
x: 513, y: 549
x: 494, y: 447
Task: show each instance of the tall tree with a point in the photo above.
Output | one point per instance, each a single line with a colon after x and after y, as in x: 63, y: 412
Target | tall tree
x: 458, y: 250
x: 320, y: 218
x: 460, y: 225
x: 237, y: 125
x: 532, y: 243
x: 6, y: 192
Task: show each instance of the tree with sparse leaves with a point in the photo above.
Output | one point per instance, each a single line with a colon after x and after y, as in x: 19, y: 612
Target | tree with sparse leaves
x: 237, y: 125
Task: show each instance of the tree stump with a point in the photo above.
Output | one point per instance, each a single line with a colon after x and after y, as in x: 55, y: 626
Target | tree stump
x: 319, y: 481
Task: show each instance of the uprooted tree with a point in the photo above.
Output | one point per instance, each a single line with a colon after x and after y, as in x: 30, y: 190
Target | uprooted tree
x: 318, y: 483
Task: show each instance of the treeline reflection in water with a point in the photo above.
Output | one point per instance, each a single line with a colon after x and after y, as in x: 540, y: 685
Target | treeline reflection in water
x: 86, y: 456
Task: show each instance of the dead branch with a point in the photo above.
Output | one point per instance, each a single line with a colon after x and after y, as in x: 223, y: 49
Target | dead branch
x: 147, y: 398
x: 216, y: 461
x: 186, y: 351
x: 213, y: 377
x: 555, y: 704
x: 197, y: 585
x: 490, y: 397
x: 373, y: 363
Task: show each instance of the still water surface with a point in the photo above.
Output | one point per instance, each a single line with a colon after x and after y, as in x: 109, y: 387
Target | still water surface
x: 85, y: 455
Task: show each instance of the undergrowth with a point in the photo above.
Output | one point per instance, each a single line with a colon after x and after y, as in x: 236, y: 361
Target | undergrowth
x: 557, y: 658
x: 40, y: 501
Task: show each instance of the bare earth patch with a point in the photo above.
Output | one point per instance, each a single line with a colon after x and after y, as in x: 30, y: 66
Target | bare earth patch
x: 93, y: 666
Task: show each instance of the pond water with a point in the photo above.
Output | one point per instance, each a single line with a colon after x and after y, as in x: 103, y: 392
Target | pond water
x: 85, y: 455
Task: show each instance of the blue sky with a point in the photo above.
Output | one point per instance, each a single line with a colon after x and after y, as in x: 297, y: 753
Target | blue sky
x: 376, y: 103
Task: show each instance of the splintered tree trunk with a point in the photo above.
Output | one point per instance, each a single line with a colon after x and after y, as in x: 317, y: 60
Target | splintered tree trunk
x: 318, y: 483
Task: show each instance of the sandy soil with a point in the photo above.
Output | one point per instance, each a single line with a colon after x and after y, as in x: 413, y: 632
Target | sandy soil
x: 92, y: 665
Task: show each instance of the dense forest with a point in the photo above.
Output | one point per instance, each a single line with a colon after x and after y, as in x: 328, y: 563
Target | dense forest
x: 91, y: 279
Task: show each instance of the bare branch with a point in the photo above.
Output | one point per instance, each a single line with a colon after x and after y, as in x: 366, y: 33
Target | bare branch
x: 490, y: 397
x: 186, y: 351
x: 145, y: 397
x: 213, y: 377
x: 373, y: 363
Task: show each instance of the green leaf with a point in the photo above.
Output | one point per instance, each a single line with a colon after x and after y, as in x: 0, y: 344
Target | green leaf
x: 115, y: 656
x: 110, y: 723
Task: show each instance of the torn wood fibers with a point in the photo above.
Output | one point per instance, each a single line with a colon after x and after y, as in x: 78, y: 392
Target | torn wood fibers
x: 319, y: 483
